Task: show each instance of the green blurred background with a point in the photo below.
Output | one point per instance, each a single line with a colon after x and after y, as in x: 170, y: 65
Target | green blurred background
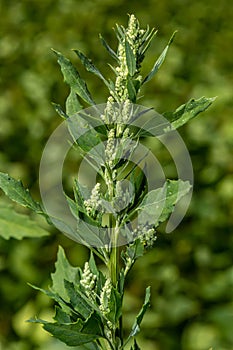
x: 190, y: 270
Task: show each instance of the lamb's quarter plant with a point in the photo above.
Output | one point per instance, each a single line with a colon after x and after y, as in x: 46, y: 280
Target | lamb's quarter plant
x: 117, y: 219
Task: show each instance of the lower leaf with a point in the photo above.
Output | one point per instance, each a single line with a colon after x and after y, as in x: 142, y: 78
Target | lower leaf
x: 69, y: 334
x: 18, y: 226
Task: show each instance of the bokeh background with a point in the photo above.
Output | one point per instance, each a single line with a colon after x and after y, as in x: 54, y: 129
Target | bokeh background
x: 190, y: 271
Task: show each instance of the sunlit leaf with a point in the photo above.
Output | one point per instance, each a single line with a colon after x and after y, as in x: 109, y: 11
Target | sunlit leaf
x: 73, y: 79
x: 72, y: 103
x: 188, y: 111
x: 64, y: 271
x: 158, y: 204
x: 15, y: 190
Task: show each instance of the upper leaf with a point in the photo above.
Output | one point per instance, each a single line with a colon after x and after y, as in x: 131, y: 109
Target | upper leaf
x: 188, y: 111
x: 158, y: 204
x: 159, y: 61
x: 90, y: 67
x: 108, y: 48
x: 73, y: 79
x: 15, y: 190
x: 130, y: 59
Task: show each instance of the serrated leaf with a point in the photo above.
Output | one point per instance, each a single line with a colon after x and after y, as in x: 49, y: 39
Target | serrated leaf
x: 73, y: 79
x: 70, y: 334
x: 15, y: 190
x: 72, y: 103
x: 159, y: 61
x: 18, y: 226
x: 130, y: 59
x: 158, y: 204
x: 154, y: 124
x: 188, y: 111
x: 136, y: 326
x: 64, y: 271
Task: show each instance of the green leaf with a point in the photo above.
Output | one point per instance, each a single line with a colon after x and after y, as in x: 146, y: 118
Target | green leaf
x: 115, y: 306
x: 72, y: 103
x: 153, y: 124
x: 92, y: 265
x: 61, y: 316
x: 73, y: 79
x: 93, y: 324
x: 70, y: 334
x: 130, y: 59
x: 175, y: 191
x: 108, y: 48
x: 146, y: 40
x: 158, y: 204
x: 63, y: 304
x: 90, y: 67
x: 15, y: 190
x: 139, y: 182
x: 159, y: 61
x: 64, y: 271
x: 188, y: 111
x: 18, y: 226
x: 134, y: 250
x: 91, y: 235
x: 139, y: 317
x: 83, y: 134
